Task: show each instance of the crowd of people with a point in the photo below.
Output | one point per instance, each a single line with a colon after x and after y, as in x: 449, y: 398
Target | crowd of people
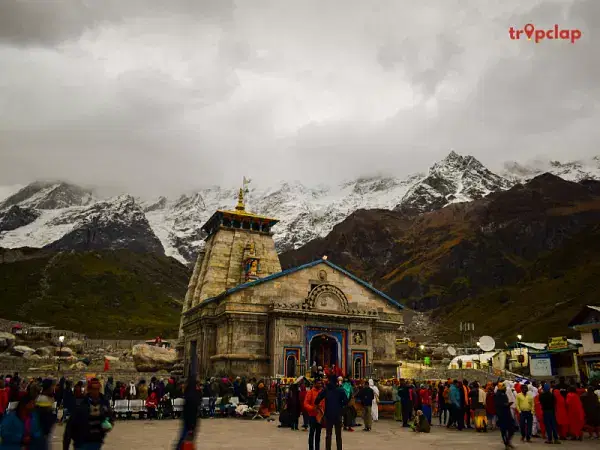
x: 554, y: 411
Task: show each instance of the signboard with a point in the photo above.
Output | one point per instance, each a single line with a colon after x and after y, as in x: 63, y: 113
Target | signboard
x: 540, y: 366
x: 427, y: 361
x: 558, y: 343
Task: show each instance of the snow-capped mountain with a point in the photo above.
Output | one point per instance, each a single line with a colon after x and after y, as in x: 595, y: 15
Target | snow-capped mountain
x: 571, y: 171
x: 455, y: 179
x: 61, y: 215
x: 49, y: 195
x: 106, y: 224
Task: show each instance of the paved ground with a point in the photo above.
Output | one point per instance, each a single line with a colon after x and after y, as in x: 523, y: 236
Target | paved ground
x: 262, y: 435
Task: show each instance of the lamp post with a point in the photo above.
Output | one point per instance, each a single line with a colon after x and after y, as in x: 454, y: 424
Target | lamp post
x: 479, y: 353
x: 519, y: 337
x: 61, y: 340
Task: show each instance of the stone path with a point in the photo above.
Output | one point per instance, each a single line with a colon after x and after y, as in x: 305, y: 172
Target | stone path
x: 261, y: 435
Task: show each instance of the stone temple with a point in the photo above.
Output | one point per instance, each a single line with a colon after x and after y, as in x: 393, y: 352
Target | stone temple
x: 243, y: 315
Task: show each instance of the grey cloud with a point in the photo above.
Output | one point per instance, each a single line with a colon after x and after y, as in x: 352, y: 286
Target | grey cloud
x: 48, y: 22
x: 158, y: 97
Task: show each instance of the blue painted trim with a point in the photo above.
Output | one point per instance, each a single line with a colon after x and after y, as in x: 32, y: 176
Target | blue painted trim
x: 296, y: 269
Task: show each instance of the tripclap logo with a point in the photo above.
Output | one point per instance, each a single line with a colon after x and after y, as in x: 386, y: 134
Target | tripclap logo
x: 540, y: 34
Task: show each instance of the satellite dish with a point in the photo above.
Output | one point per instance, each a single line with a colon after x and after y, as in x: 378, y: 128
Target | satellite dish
x: 487, y: 343
x: 451, y: 350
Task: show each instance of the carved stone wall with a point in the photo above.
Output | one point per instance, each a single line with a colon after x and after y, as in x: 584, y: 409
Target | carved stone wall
x: 222, y: 265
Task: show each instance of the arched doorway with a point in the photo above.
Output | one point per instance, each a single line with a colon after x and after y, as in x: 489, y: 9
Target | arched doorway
x: 290, y: 366
x: 359, y: 372
x: 325, y: 350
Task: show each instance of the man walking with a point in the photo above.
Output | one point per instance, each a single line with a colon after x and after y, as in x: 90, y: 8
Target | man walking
x: 366, y: 396
x: 548, y: 403
x: 505, y: 420
x: 315, y: 414
x: 190, y: 413
x: 45, y: 410
x: 335, y: 400
x: 525, y: 408
x: 92, y: 419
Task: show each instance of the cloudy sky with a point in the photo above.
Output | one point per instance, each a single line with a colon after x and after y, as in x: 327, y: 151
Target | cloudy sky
x: 159, y: 96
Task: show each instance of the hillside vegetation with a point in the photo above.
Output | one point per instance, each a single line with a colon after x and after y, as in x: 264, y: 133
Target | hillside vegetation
x: 519, y: 261
x: 110, y: 294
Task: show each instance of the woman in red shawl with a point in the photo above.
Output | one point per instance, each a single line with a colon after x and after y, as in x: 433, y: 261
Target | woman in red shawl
x: 562, y: 419
x: 576, y: 414
x: 539, y: 414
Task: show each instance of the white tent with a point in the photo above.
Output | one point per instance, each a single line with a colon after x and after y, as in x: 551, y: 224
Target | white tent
x: 480, y: 358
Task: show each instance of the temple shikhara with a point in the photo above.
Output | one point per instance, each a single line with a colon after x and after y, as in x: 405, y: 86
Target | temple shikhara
x: 243, y: 315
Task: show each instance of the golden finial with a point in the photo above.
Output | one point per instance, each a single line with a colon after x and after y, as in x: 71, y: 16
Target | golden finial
x: 240, y: 204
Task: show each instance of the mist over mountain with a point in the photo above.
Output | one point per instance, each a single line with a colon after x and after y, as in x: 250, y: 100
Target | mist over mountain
x: 61, y: 215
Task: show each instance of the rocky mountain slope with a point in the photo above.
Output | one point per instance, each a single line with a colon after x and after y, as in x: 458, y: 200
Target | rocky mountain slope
x: 63, y: 216
x: 138, y: 294
x: 505, y: 261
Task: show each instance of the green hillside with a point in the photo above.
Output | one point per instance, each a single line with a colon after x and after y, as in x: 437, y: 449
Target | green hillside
x: 113, y: 293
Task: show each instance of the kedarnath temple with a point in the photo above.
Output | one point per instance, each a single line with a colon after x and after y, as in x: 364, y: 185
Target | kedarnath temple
x: 243, y: 315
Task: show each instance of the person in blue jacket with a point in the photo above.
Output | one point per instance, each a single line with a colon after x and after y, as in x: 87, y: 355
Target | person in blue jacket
x: 21, y: 428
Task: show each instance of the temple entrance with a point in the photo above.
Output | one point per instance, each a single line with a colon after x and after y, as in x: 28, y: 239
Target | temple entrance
x: 324, y: 350
x: 290, y: 366
x: 359, y: 371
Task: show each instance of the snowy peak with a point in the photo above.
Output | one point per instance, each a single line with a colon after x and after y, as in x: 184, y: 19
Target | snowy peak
x: 454, y: 179
x: 49, y: 195
x: 585, y: 169
x: 118, y: 223
x: 68, y: 216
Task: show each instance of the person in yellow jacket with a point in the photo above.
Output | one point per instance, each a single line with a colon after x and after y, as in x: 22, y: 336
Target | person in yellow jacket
x: 525, y: 407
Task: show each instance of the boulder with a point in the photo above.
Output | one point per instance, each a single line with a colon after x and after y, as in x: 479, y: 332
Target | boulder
x: 7, y: 340
x: 148, y: 358
x: 65, y: 351
x: 76, y: 344
x: 78, y: 366
x: 22, y: 350
x: 46, y: 352
x: 31, y: 356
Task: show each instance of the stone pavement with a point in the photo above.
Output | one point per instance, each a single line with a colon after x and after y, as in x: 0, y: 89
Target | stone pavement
x: 261, y: 435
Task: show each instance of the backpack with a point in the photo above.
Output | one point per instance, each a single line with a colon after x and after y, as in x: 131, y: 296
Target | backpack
x: 446, y: 395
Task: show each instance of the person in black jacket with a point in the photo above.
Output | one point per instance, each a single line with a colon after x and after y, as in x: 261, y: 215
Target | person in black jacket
x: 406, y: 401
x: 548, y: 403
x: 45, y: 410
x: 335, y: 401
x: 505, y: 420
x: 91, y: 420
x: 190, y: 413
x: 293, y: 406
x: 366, y: 396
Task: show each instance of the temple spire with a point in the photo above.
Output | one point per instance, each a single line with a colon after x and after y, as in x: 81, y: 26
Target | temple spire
x: 240, y: 204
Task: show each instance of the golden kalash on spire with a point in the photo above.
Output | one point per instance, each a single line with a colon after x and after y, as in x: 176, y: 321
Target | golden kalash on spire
x: 240, y: 204
x: 239, y: 217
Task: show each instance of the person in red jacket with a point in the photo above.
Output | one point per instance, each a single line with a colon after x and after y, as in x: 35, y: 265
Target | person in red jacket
x: 562, y: 419
x: 3, y: 399
x: 490, y: 408
x: 576, y: 414
x: 151, y: 405
x: 315, y: 413
x: 425, y: 396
